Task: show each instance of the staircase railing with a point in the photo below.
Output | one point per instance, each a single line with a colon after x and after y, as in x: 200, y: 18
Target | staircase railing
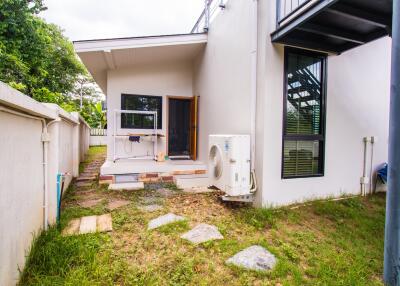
x: 211, y: 9
x: 286, y: 8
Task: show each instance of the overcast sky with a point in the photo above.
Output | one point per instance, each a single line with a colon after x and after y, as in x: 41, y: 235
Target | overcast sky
x: 98, y: 19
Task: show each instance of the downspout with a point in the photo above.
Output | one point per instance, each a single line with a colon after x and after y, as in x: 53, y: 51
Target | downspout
x: 253, y: 91
x: 45, y: 140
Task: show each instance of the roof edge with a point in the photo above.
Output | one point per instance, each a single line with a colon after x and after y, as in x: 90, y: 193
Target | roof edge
x: 138, y: 42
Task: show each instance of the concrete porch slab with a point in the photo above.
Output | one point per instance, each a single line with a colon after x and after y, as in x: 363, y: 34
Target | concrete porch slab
x: 148, y: 166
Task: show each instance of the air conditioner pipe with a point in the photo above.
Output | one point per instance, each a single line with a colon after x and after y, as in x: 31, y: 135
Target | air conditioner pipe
x: 364, y: 179
x: 45, y: 140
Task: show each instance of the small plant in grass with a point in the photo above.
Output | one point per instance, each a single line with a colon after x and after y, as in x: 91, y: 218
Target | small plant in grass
x: 260, y: 218
x: 175, y: 227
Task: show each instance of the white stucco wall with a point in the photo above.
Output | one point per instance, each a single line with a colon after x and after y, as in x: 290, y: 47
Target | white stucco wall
x: 21, y: 173
x: 357, y: 106
x: 222, y: 75
x: 164, y: 79
x: 21, y: 188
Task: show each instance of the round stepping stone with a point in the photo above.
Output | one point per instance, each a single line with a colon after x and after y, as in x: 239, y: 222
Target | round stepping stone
x: 150, y: 208
x: 202, y: 233
x: 164, y: 220
x: 253, y: 258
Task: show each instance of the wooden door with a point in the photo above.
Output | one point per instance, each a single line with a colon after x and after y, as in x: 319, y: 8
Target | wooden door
x: 193, y: 126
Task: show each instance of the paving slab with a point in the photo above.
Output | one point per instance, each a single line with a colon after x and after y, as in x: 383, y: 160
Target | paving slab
x: 202, y: 233
x: 126, y: 186
x: 165, y: 193
x: 253, y: 258
x: 104, y: 223
x: 84, y: 184
x: 86, y: 178
x: 88, y: 224
x: 117, y: 204
x: 72, y: 227
x: 89, y: 203
x: 164, y: 220
x: 151, y: 200
x: 150, y: 208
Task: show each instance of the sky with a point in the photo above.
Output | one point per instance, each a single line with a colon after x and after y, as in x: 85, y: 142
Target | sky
x: 99, y: 19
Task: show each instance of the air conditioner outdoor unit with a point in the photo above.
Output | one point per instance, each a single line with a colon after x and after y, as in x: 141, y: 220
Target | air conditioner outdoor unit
x: 229, y: 164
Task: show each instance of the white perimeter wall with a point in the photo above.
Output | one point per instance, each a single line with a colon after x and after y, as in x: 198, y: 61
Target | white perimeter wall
x: 21, y: 188
x: 357, y: 106
x: 222, y: 75
x: 164, y: 79
x: 21, y: 173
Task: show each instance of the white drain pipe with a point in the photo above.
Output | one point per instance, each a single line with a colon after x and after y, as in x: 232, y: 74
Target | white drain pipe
x: 253, y: 90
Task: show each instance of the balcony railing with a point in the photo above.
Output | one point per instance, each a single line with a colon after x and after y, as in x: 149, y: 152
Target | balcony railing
x: 211, y: 10
x: 286, y: 8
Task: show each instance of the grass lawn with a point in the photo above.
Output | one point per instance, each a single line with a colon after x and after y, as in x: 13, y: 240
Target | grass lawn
x: 322, y: 243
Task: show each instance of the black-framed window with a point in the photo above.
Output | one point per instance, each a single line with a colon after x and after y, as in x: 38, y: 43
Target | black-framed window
x: 141, y: 103
x: 304, y: 114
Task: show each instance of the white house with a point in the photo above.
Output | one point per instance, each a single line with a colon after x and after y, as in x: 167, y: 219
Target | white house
x: 308, y: 81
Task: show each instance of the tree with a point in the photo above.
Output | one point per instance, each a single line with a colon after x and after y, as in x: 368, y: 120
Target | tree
x: 38, y: 60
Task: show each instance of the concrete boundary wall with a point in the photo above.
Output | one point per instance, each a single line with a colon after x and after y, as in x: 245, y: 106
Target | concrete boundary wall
x: 22, y: 171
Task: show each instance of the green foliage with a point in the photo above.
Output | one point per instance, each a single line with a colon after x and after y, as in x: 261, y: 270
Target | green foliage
x: 38, y: 60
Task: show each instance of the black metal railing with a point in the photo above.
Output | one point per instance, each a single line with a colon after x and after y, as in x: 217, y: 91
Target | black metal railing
x: 287, y: 8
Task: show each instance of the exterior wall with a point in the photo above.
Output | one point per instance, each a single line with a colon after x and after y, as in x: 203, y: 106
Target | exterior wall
x: 21, y: 173
x: 165, y: 79
x: 21, y: 186
x: 357, y: 106
x: 223, y: 74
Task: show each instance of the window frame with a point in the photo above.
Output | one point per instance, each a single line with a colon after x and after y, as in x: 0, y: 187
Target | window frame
x: 296, y: 137
x: 159, y: 115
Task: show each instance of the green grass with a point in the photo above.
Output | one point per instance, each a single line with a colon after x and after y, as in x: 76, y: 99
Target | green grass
x: 321, y: 243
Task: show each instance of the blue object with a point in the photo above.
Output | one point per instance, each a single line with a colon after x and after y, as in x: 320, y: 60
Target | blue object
x: 382, y: 173
x: 59, y: 179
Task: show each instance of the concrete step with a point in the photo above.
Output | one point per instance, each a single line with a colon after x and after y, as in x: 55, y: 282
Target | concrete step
x: 193, y: 181
x: 126, y: 186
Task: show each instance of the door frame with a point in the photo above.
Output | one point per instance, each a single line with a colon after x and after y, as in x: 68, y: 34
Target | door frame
x: 192, y: 156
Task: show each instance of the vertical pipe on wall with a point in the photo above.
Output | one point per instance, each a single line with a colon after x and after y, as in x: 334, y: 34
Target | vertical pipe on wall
x: 392, y: 227
x: 253, y: 72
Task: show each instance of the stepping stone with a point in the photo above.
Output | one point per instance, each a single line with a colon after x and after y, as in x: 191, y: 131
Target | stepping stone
x: 84, y: 184
x: 126, y: 186
x: 84, y: 178
x: 164, y: 220
x: 72, y: 227
x: 104, y: 223
x: 88, y: 224
x: 253, y: 258
x: 89, y: 203
x: 150, y: 208
x: 117, y: 204
x: 165, y: 193
x: 202, y: 233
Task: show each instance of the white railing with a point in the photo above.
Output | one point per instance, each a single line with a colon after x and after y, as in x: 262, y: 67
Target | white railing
x: 98, y: 132
x: 211, y: 10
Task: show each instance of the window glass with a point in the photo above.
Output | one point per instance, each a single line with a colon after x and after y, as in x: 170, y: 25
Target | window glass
x: 304, y: 114
x: 141, y: 103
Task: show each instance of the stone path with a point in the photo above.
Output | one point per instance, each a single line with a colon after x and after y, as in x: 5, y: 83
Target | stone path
x: 202, y: 233
x: 150, y: 208
x: 112, y: 205
x: 89, y: 224
x: 164, y: 220
x: 254, y: 258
